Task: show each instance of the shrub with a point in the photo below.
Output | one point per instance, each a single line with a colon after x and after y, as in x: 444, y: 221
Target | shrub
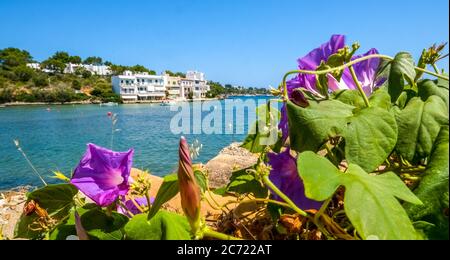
x: 24, y: 73
x: 76, y: 84
x: 40, y: 80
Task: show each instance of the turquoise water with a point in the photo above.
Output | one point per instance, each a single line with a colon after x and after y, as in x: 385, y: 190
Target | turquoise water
x: 56, y: 139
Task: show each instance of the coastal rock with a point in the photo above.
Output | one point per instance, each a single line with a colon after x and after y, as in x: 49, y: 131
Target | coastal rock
x: 230, y: 159
x: 11, y: 205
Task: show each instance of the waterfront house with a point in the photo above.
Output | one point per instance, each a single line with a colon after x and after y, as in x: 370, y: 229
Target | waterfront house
x: 195, y: 83
x: 139, y: 86
x: 173, y: 87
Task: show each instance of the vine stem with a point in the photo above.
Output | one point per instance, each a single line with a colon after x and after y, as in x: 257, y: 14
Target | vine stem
x: 125, y: 208
x: 30, y: 163
x: 214, y: 234
x: 283, y: 196
x: 435, y: 68
x: 358, y: 85
x: 342, y: 67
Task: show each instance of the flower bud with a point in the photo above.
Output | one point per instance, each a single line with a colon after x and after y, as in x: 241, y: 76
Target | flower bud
x: 189, y: 189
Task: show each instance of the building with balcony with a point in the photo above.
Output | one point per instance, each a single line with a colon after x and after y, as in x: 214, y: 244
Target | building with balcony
x: 173, y: 87
x: 139, y: 86
x: 196, y: 84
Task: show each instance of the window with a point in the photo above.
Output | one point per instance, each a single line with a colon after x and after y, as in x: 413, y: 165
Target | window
x: 121, y: 82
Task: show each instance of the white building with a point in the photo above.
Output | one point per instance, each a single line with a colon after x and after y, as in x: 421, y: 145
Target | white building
x: 36, y: 66
x: 101, y: 70
x: 140, y: 86
x: 174, y: 88
x: 195, y: 83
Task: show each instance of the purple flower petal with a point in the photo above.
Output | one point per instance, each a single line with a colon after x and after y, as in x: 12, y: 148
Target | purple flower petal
x: 310, y: 62
x: 365, y: 72
x: 283, y: 125
x: 315, y: 57
x: 285, y: 176
x: 142, y: 202
x: 102, y: 174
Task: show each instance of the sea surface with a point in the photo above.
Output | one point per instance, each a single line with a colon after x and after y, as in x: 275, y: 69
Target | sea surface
x: 55, y: 137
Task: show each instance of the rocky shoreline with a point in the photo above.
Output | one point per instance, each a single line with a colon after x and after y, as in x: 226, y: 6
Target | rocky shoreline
x: 219, y: 169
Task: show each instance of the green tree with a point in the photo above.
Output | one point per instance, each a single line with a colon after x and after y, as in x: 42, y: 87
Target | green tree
x: 140, y: 68
x: 170, y: 73
x: 180, y: 74
x: 61, y: 56
x: 118, y: 69
x: 76, y: 84
x: 13, y: 57
x: 86, y: 74
x: 40, y: 80
x: 93, y: 60
x: 54, y: 65
x: 24, y: 73
x: 75, y: 59
x: 6, y: 95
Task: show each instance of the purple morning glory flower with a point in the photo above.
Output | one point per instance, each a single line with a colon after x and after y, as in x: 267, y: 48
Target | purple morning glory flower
x: 142, y: 202
x: 102, y: 174
x: 285, y: 176
x: 310, y: 62
x: 365, y: 72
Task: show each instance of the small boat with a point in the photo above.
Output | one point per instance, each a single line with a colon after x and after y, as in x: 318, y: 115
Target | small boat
x: 168, y: 103
x: 109, y: 104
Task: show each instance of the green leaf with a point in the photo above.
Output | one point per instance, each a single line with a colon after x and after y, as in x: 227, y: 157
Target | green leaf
x: 380, y: 98
x: 163, y: 226
x: 221, y: 191
x: 405, y: 97
x: 101, y: 226
x: 166, y: 192
x: 311, y: 127
x: 370, y: 201
x: 428, y: 88
x: 169, y: 189
x: 401, y: 69
x: 57, y: 200
x: 201, y: 179
x: 371, y: 206
x: 433, y: 190
x: 263, y: 133
x: 253, y: 141
x: 67, y: 228
x: 242, y: 182
x: 370, y: 137
x: 350, y: 97
x: 419, y: 125
x: 320, y: 177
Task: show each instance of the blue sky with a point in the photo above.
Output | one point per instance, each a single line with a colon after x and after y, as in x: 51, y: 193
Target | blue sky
x: 244, y: 42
